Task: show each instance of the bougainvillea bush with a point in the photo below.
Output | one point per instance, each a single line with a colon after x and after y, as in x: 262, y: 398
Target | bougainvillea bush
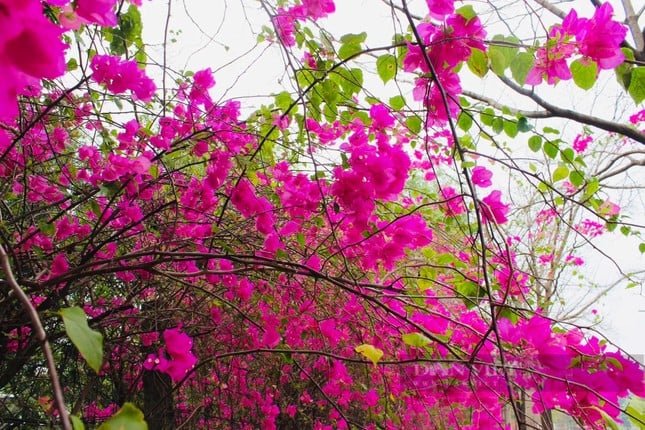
x: 340, y: 257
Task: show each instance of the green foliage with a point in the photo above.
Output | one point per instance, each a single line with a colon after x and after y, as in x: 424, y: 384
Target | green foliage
x: 126, y: 34
x: 129, y: 417
x: 502, y: 54
x: 585, y: 73
x: 478, y: 62
x: 550, y: 148
x: 397, y: 102
x: 623, y: 71
x: 77, y: 423
x: 386, y: 67
x: 370, y: 352
x: 88, y: 342
x: 418, y: 340
x: 637, y: 84
x: 414, y: 123
x: 636, y: 412
x: 560, y: 173
x: 465, y: 121
x: 351, y: 45
x: 521, y: 66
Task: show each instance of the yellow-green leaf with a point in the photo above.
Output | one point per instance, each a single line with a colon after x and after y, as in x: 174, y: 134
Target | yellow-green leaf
x: 584, y: 73
x: 521, y: 66
x: 386, y: 67
x: 370, y: 352
x: 637, y: 84
x: 129, y: 417
x: 636, y: 412
x: 560, y: 173
x: 77, y: 423
x: 88, y: 342
x: 416, y: 339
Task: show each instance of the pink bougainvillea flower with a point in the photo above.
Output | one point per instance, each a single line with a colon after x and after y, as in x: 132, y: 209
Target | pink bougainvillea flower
x: 177, y: 358
x: 637, y: 117
x: 580, y: 143
x: 492, y: 208
x: 285, y: 24
x: 101, y: 12
x: 30, y: 49
x: 440, y: 8
x: 609, y: 208
x: 381, y: 117
x: 316, y: 9
x: 454, y: 202
x: 551, y: 63
x: 120, y: 76
x: 599, y: 38
x: 481, y: 177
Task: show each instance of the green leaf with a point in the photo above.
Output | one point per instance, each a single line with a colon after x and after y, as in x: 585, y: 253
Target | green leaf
x: 467, y: 12
x: 498, y: 125
x: 464, y: 121
x: 386, y: 67
x: 641, y: 248
x: 416, y: 339
x: 351, y: 38
x: 637, y: 85
x: 370, y: 352
x: 414, y: 124
x: 576, y: 178
x: 501, y: 56
x: 351, y: 45
x: 591, y: 188
x: 624, y: 70
x: 521, y: 66
x: 129, y: 417
x: 72, y: 64
x: 635, y: 411
x: 510, y: 128
x: 551, y: 130
x: 397, y: 102
x: 349, y: 50
x: 535, y: 143
x: 584, y: 73
x: 550, y: 148
x: 283, y: 101
x: 487, y: 116
x: 352, y: 80
x: 523, y: 125
x: 77, y: 423
x: 560, y: 173
x: 478, y: 62
x: 88, y: 342
x: 567, y: 155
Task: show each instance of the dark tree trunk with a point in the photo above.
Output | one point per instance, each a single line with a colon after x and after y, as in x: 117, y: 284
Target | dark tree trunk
x: 158, y: 405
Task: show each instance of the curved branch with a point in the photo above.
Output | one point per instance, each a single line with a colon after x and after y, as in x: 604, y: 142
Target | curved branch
x: 556, y: 111
x: 59, y: 399
x: 499, y: 106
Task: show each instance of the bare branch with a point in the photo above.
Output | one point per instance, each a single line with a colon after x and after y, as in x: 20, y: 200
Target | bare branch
x: 489, y: 101
x: 59, y: 399
x: 556, y: 111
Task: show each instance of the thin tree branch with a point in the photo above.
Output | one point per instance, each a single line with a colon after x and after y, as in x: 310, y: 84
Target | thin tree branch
x: 556, y: 111
x: 59, y: 399
x: 499, y: 106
